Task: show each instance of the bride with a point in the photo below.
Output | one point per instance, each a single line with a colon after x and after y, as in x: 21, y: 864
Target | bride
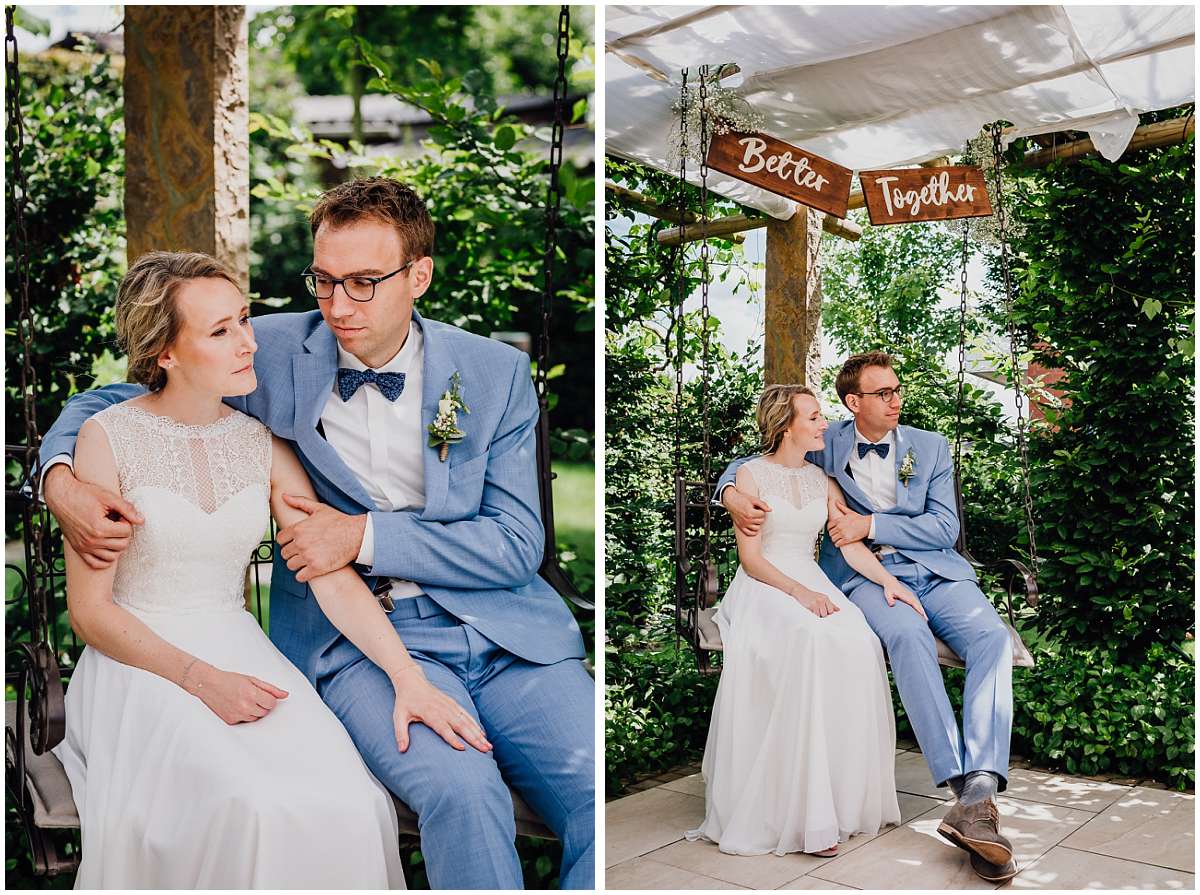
x: 801, y: 747
x: 199, y: 757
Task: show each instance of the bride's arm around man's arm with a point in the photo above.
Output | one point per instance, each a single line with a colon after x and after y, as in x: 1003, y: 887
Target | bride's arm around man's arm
x: 121, y: 635
x: 757, y: 566
x: 860, y: 558
x: 354, y: 611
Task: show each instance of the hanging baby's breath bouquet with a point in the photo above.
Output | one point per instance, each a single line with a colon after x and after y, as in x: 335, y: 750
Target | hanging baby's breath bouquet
x: 728, y: 112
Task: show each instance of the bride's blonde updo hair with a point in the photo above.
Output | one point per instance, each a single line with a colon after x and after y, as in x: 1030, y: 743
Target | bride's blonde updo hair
x: 147, y: 317
x: 776, y: 410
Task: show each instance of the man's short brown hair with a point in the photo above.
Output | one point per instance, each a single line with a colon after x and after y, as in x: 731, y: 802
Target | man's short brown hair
x: 379, y: 199
x: 850, y: 374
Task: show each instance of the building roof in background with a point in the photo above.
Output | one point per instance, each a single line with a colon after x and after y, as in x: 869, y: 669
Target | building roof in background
x: 387, y: 122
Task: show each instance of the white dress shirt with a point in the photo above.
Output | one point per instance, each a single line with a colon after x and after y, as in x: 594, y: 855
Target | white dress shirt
x: 382, y: 441
x: 876, y: 476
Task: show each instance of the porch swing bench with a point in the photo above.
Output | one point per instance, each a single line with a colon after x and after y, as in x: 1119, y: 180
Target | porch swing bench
x: 696, y: 600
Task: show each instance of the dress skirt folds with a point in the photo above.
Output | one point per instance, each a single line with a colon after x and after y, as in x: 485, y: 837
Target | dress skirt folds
x: 801, y: 746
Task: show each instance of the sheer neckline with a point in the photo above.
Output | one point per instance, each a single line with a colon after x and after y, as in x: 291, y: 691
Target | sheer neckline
x: 172, y: 423
x: 792, y: 470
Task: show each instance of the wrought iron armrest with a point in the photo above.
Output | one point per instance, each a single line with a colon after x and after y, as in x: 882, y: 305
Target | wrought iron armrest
x: 43, y: 709
x: 1017, y: 571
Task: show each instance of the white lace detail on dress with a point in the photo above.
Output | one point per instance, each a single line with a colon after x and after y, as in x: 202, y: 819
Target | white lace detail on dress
x: 799, y: 485
x: 203, y: 491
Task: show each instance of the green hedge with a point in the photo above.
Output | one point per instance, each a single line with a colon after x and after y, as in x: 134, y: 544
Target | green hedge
x: 656, y: 709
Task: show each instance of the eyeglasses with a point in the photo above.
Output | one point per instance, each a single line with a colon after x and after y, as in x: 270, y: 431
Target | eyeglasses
x: 885, y: 394
x: 321, y: 286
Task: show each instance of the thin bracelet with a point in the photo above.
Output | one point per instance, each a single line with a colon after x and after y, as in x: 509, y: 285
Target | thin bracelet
x: 186, y: 669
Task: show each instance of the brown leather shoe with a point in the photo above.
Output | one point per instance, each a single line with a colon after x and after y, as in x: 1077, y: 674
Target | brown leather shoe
x: 976, y: 828
x: 993, y: 873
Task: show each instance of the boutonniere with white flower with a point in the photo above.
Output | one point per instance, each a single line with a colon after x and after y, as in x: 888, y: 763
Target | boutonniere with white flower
x: 444, y: 431
x: 908, y: 467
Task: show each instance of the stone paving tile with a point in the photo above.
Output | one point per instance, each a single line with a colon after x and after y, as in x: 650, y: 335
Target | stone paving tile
x: 1067, y: 868
x: 912, y: 776
x: 1030, y: 785
x: 1151, y: 826
x: 753, y: 872
x: 811, y: 882
x: 914, y: 856
x: 693, y: 785
x: 638, y: 824
x: 645, y: 873
x: 912, y: 807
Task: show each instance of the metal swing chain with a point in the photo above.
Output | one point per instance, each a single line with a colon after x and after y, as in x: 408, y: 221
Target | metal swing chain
x: 553, y: 202
x: 679, y: 257
x: 704, y: 272
x: 36, y: 567
x: 962, y: 350
x: 1017, y: 385
x: 677, y: 317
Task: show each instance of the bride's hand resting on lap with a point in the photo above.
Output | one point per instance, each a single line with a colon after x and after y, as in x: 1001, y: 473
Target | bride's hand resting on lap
x: 233, y: 697
x: 420, y: 701
x: 894, y: 591
x: 814, y: 601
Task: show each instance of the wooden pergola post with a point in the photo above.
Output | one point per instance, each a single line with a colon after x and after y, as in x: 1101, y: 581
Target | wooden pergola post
x: 187, y: 138
x: 793, y: 297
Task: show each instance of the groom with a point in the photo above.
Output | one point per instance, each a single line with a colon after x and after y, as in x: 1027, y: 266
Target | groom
x: 451, y: 543
x: 899, y: 484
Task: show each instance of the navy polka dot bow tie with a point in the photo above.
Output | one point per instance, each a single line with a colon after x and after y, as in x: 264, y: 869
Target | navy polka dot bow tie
x: 880, y: 449
x: 391, y: 385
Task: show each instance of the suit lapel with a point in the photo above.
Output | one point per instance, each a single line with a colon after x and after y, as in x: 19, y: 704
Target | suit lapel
x: 313, y: 372
x: 436, y: 370
x: 841, y: 456
x: 903, y: 444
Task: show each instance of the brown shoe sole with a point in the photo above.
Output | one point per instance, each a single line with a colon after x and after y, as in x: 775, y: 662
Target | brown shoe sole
x: 992, y: 852
x: 993, y: 873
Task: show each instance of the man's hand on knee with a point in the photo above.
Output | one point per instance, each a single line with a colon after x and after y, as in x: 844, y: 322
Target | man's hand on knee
x: 96, y: 522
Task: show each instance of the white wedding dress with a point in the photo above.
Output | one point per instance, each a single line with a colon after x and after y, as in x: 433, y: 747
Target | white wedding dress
x: 169, y: 795
x: 801, y: 746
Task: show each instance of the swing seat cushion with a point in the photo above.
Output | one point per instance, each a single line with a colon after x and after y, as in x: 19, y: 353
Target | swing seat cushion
x: 46, y: 779
x: 710, y: 639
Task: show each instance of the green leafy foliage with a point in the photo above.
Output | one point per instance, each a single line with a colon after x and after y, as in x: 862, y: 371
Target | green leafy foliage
x: 1104, y: 269
x: 656, y: 710
x: 486, y: 196
x: 73, y: 165
x: 511, y: 48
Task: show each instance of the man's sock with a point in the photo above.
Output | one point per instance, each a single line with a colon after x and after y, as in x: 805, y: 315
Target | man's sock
x: 978, y: 786
x: 956, y: 785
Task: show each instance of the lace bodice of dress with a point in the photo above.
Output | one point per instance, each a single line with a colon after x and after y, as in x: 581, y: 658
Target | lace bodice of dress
x: 204, y: 494
x: 797, y: 498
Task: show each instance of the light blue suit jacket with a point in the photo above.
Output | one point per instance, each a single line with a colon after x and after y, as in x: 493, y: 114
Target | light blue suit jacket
x: 474, y: 548
x: 923, y: 525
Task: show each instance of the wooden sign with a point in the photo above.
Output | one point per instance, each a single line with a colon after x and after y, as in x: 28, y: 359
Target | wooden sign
x: 905, y: 195
x: 784, y: 169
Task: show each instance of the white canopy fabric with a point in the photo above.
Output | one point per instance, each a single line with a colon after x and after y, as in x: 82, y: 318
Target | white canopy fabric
x: 886, y: 86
